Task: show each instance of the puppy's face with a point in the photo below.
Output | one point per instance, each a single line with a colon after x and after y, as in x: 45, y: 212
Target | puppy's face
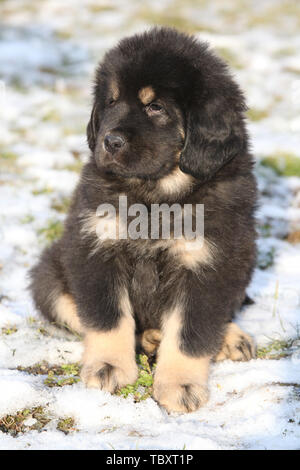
x: 140, y: 132
x: 163, y: 100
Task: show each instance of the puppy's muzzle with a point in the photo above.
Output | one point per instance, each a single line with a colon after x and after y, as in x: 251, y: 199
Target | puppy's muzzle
x: 113, y: 143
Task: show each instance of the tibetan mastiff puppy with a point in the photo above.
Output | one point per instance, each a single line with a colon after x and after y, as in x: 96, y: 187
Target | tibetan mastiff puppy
x: 167, y: 126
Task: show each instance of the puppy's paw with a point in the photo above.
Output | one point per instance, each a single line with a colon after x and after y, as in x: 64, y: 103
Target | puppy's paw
x: 107, y: 376
x: 150, y: 341
x: 180, y: 397
x: 237, y: 345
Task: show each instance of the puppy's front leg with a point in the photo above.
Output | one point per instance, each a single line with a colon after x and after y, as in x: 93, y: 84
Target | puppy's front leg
x: 109, y: 356
x: 180, y: 382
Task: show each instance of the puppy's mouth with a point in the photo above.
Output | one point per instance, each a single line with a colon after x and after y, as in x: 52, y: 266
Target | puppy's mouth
x: 117, y: 167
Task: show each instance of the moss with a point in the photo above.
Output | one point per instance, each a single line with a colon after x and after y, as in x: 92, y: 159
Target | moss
x: 265, y: 230
x: 255, y: 114
x: 174, y: 18
x: 229, y: 57
x: 70, y: 373
x: 52, y: 231
x: 143, y: 387
x: 76, y: 166
x: 46, y: 190
x: 284, y: 164
x: 70, y: 369
x: 9, y: 330
x: 7, y: 155
x: 95, y: 8
x: 276, y: 349
x: 27, y: 219
x: 42, y: 331
x: 275, y: 15
x: 44, y: 368
x: 49, y: 70
x: 64, y: 34
x: 51, y: 115
x: 66, y: 425
x: 53, y: 381
x: 61, y: 205
x: 14, y: 424
x: 285, y: 51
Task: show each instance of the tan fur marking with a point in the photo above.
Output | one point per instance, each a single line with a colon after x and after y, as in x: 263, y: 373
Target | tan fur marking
x: 146, y: 95
x: 114, y: 348
x: 237, y: 345
x: 66, y: 313
x: 181, y: 132
x: 180, y: 382
x: 191, y: 253
x: 115, y: 92
x: 176, y: 182
x: 103, y: 228
x: 150, y: 340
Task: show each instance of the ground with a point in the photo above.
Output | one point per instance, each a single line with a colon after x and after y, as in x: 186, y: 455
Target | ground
x: 47, y: 54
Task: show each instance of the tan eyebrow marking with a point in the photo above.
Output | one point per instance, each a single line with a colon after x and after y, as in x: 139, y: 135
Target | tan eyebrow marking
x: 146, y: 94
x: 115, y: 92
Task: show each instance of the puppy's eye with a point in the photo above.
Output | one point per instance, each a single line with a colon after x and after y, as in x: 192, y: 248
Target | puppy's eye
x: 111, y: 102
x: 154, y: 108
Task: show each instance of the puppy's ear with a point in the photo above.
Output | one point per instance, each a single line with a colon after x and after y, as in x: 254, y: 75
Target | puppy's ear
x: 215, y: 134
x: 92, y: 128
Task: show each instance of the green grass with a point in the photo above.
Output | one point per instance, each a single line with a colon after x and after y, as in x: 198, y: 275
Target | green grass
x: 10, y: 156
x: 229, y: 57
x: 276, y: 349
x: 61, y: 205
x: 44, y: 368
x: 69, y: 374
x: 255, y: 114
x: 76, y: 166
x: 57, y: 376
x: 174, y: 17
x: 54, y: 381
x: 9, y: 330
x: 46, y: 190
x: 142, y: 388
x: 265, y: 230
x: 14, y: 424
x: 52, y: 231
x: 66, y: 425
x: 27, y: 219
x: 284, y: 164
x: 52, y: 115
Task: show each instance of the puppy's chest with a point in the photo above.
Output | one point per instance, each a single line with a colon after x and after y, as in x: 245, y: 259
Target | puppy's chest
x: 145, y: 278
x: 146, y: 292
x: 148, y: 245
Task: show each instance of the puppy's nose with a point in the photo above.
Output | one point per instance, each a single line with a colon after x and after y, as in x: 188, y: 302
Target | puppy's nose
x: 113, y: 143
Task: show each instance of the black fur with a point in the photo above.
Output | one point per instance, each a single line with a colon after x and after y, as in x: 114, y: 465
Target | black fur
x: 204, y: 126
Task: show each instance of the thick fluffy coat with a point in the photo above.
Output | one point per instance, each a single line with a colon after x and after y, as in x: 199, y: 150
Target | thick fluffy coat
x: 167, y: 126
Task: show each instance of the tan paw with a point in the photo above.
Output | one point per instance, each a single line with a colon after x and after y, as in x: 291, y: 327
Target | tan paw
x: 180, y: 397
x: 108, y: 377
x: 237, y: 345
x: 150, y: 341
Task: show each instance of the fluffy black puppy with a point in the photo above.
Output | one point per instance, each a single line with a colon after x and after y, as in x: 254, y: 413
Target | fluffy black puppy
x: 167, y: 126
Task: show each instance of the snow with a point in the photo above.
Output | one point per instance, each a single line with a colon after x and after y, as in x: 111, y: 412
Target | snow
x: 47, y: 56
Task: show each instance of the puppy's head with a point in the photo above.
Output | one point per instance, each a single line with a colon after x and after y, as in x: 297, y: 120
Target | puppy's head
x: 163, y: 100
